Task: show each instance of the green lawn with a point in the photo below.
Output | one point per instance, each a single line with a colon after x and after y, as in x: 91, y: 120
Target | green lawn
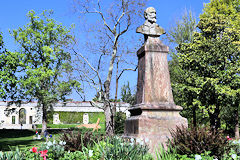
x: 10, y: 138
x: 39, y: 126
x: 21, y: 138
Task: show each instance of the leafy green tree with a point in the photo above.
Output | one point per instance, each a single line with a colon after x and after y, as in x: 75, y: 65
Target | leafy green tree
x: 181, y: 32
x: 8, y: 68
x: 211, y: 61
x: 44, y: 60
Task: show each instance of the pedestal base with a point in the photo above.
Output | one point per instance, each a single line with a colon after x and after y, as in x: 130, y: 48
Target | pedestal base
x: 153, y: 126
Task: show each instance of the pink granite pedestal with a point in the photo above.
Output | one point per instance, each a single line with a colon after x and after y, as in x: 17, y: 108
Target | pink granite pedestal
x: 155, y: 112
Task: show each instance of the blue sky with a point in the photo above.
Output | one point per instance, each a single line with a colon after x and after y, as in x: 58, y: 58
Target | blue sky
x: 13, y: 15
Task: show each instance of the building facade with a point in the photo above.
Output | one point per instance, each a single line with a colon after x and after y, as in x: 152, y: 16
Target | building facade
x: 28, y: 114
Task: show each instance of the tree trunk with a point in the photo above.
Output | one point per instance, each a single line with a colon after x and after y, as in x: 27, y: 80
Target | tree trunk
x: 107, y: 106
x: 109, y: 121
x: 214, y: 119
x: 44, y: 119
x: 114, y: 110
x: 194, y: 117
x: 236, y: 124
x: 108, y: 110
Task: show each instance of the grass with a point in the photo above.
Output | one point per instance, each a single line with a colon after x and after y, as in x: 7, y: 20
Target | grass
x: 67, y: 126
x: 10, y: 138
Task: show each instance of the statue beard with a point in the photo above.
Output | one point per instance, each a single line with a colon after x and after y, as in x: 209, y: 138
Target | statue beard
x: 154, y: 20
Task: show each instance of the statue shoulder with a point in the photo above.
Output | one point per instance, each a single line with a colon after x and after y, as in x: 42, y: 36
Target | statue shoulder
x: 159, y: 29
x: 140, y: 29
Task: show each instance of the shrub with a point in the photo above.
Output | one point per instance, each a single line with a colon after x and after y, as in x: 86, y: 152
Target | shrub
x: 72, y: 156
x: 77, y: 140
x: 198, y: 140
x: 117, y: 148
x: 55, y: 150
x: 76, y: 117
x: 13, y: 155
x: 119, y: 122
x: 168, y: 154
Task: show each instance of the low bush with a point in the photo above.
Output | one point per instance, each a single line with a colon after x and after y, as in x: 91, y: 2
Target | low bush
x: 12, y: 155
x: 120, y: 122
x: 77, y: 140
x: 72, y: 156
x: 166, y: 154
x: 171, y: 154
x: 113, y: 148
x: 199, y: 140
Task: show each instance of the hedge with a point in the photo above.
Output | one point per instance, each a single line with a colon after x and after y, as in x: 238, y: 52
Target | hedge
x: 76, y: 117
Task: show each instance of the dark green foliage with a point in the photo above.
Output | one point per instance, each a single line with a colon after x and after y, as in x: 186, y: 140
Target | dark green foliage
x: 15, y: 133
x: 77, y: 140
x: 119, y: 122
x: 198, y: 140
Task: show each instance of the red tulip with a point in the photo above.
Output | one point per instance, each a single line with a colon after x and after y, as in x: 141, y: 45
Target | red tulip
x: 43, y: 154
x: 34, y: 149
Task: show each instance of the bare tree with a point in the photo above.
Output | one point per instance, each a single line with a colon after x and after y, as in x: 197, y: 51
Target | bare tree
x: 115, y: 20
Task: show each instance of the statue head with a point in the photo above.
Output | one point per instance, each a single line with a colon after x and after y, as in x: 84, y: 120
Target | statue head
x: 150, y: 15
x: 150, y: 28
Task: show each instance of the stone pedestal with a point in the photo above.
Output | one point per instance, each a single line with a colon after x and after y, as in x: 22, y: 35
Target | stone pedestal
x: 155, y: 113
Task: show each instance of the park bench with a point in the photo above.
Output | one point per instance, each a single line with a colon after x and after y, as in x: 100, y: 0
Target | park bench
x: 95, y: 126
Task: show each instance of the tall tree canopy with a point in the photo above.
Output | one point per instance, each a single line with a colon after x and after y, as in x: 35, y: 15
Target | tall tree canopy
x: 211, y: 62
x: 8, y: 67
x: 181, y: 32
x: 43, y: 61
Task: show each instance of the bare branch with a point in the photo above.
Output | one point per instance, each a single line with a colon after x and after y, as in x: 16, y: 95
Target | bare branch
x: 115, y: 26
x: 128, y: 25
x: 85, y: 60
x: 99, y: 78
x: 95, y: 105
x: 99, y: 6
x: 127, y: 69
x: 105, y: 23
x: 99, y: 61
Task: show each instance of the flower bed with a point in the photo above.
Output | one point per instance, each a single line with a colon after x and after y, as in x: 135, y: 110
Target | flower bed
x: 106, y: 148
x: 73, y: 145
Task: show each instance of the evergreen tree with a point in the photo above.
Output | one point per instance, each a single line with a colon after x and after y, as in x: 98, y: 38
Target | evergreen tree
x: 126, y: 94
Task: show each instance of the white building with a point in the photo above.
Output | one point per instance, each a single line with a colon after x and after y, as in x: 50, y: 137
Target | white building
x: 25, y: 115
